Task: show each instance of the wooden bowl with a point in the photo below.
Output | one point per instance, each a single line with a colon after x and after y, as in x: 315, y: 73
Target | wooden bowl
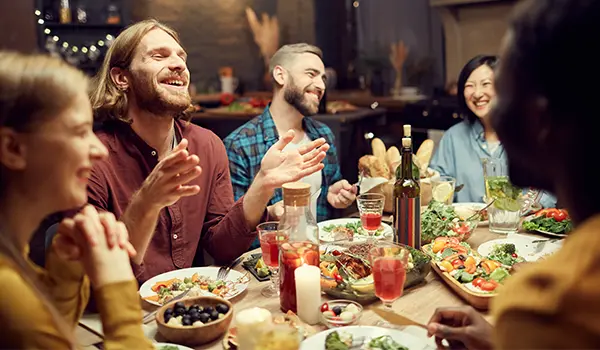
x: 195, y: 335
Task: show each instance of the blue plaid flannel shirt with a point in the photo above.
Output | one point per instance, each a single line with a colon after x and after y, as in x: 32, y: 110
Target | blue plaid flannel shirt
x: 247, y: 146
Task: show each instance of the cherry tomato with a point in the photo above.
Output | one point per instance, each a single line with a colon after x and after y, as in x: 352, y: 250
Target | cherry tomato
x: 456, y: 263
x: 336, y: 253
x: 488, y: 286
x: 338, y: 278
x: 514, y: 255
x: 324, y: 307
x: 227, y: 99
x: 560, y: 216
x: 478, y: 281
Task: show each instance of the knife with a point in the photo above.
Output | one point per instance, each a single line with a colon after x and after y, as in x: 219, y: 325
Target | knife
x: 397, y: 319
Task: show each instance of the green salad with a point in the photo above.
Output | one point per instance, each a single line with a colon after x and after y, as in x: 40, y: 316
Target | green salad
x: 355, y: 226
x: 435, y: 220
x: 385, y: 342
x: 506, y: 254
x: 542, y: 223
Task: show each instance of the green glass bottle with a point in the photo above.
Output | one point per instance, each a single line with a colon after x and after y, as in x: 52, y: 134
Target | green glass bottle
x: 407, y: 201
x: 415, y: 168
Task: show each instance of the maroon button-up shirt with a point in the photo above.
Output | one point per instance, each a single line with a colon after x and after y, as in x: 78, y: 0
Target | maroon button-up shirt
x: 208, y: 221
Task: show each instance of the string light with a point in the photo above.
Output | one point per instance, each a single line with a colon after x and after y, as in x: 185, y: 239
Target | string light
x: 65, y: 44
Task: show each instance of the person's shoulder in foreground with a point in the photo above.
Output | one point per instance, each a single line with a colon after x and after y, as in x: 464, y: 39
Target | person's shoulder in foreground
x: 554, y: 303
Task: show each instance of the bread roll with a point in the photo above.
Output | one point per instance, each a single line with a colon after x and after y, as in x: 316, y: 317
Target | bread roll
x: 393, y: 158
x: 372, y: 166
x: 378, y: 149
x: 424, y: 153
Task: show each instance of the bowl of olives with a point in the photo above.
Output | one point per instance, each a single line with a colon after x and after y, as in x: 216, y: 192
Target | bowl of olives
x: 194, y: 321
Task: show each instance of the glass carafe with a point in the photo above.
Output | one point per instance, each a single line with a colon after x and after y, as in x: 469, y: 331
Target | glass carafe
x: 299, y: 224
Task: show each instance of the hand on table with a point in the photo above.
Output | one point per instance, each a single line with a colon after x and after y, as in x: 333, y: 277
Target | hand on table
x: 341, y: 194
x: 462, y: 327
x: 281, y: 167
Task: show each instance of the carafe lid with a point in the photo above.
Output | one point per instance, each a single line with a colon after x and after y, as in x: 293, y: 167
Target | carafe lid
x: 296, y: 193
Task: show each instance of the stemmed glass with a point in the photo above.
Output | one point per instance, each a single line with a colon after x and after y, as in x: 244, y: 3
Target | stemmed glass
x: 389, y: 263
x: 370, y: 207
x: 271, y: 238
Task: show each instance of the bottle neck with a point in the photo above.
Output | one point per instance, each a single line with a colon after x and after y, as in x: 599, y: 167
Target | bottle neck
x: 407, y: 163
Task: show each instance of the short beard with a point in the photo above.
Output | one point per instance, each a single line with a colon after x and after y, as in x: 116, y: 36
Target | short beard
x: 149, y: 98
x: 295, y: 97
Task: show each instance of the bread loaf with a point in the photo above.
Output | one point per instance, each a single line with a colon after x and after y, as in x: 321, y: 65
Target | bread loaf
x: 372, y: 166
x: 378, y: 149
x: 424, y: 153
x: 393, y: 159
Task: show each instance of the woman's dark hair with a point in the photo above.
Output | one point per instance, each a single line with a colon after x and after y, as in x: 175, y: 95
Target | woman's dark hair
x: 465, y: 73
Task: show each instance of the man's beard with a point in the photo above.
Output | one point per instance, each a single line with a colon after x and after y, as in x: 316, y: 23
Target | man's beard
x: 295, y: 97
x: 158, y: 100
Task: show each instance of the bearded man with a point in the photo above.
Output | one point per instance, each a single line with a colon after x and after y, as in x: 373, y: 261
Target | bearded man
x: 166, y: 179
x: 298, y: 75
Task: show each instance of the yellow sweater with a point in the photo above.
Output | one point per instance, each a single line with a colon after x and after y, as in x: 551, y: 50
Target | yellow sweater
x: 27, y: 324
x: 555, y: 303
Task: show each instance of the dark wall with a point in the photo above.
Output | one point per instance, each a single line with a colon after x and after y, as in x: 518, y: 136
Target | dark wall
x: 216, y: 32
x: 17, y: 25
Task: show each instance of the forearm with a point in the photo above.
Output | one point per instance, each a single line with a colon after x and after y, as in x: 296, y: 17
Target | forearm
x: 256, y: 199
x: 141, y: 219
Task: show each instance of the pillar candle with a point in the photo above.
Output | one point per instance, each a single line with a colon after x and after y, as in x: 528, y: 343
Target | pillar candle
x: 308, y: 293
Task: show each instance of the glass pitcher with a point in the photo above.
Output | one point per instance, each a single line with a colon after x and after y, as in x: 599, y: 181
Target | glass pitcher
x: 302, y: 247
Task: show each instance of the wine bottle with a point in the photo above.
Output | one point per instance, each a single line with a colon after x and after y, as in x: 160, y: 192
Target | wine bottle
x: 407, y: 201
x: 415, y: 168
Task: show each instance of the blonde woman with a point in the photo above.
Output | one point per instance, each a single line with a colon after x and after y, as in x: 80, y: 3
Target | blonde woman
x: 47, y: 149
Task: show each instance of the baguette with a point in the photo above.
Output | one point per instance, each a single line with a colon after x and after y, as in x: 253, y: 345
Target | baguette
x: 393, y: 159
x: 371, y: 166
x: 378, y: 149
x: 424, y: 153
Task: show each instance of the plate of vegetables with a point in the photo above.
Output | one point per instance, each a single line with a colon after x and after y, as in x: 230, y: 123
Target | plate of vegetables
x: 552, y: 221
x: 349, y: 229
x: 475, y: 277
x: 346, y: 270
x: 366, y: 338
x: 517, y: 248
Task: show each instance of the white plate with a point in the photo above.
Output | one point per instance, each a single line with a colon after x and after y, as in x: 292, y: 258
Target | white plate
x: 525, y: 246
x: 179, y: 347
x: 328, y: 237
x: 470, y: 208
x: 402, y: 337
x: 531, y: 217
x: 146, y: 288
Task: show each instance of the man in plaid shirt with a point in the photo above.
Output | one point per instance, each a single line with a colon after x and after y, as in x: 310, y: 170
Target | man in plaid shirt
x: 299, y: 77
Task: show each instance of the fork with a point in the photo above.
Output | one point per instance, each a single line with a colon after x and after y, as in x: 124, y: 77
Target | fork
x: 224, y: 270
x: 149, y: 317
x: 361, y: 176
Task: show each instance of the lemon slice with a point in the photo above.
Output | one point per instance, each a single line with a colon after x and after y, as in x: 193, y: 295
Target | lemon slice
x: 443, y: 192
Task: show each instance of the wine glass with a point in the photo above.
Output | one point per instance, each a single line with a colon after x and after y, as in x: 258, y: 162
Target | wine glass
x: 389, y: 263
x: 370, y: 207
x: 271, y: 238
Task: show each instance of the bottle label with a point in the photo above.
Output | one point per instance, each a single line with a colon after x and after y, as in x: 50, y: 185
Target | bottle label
x: 408, y: 221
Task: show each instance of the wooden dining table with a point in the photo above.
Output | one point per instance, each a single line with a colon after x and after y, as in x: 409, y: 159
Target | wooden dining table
x: 418, y: 302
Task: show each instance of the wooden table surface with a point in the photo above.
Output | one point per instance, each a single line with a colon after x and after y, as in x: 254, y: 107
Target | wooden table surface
x: 418, y: 302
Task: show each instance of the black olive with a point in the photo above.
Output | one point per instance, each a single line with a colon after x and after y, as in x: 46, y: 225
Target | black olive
x: 175, y: 286
x: 462, y: 257
x: 208, y: 309
x: 461, y: 267
x: 186, y: 320
x: 204, y: 317
x: 214, y: 315
x: 194, y: 316
x: 168, y: 312
x: 179, y: 304
x: 168, y: 317
x: 179, y: 311
x: 194, y: 307
x: 337, y: 310
x: 222, y: 308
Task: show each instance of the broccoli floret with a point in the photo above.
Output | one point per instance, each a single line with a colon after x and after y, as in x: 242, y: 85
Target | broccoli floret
x: 509, y: 248
x: 333, y: 342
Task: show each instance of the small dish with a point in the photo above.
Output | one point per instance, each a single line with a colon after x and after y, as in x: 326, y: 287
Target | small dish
x: 340, y: 313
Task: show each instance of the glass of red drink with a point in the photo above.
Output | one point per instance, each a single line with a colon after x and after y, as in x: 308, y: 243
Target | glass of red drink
x: 294, y: 255
x: 389, y: 263
x: 370, y: 207
x: 270, y: 238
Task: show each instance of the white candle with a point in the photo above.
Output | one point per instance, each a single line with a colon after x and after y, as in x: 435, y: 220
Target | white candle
x: 308, y: 293
x: 250, y: 323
